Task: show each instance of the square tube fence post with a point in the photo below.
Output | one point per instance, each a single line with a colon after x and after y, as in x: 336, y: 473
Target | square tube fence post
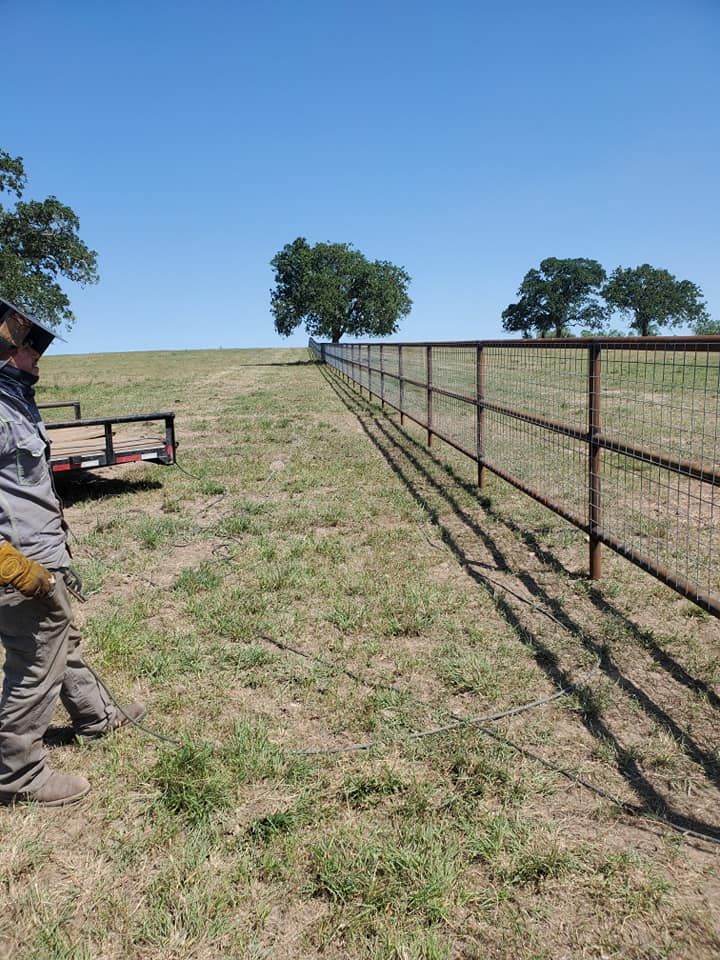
x: 594, y: 458
x: 382, y: 379
x: 428, y: 381
x: 402, y: 386
x: 369, y: 375
x: 480, y: 426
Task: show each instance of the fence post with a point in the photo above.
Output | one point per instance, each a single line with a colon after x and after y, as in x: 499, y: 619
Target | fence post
x: 480, y: 396
x: 382, y: 378
x: 402, y: 386
x: 594, y: 458
x: 428, y: 381
x: 369, y: 375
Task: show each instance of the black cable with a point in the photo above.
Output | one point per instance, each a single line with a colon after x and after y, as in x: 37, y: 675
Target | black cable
x: 129, y: 719
x: 187, y: 473
x: 458, y: 721
x: 476, y: 723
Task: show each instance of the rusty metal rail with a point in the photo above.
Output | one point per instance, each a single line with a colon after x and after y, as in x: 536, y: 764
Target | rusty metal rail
x: 620, y: 436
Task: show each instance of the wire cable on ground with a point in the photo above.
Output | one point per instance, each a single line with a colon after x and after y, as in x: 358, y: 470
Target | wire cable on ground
x: 458, y: 722
x: 476, y: 723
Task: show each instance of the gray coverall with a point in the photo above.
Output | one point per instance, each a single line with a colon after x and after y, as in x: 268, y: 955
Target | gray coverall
x: 42, y: 654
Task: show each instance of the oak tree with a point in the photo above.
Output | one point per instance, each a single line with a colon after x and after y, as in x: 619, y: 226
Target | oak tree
x: 39, y: 246
x: 653, y: 298
x: 335, y: 290
x: 561, y: 295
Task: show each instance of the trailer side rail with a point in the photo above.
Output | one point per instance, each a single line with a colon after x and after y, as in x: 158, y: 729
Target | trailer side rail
x: 77, y: 447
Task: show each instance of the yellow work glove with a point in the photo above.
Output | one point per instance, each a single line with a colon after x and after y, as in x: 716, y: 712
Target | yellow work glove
x: 27, y: 576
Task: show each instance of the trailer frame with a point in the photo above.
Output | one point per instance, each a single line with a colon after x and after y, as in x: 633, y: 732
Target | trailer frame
x: 160, y: 450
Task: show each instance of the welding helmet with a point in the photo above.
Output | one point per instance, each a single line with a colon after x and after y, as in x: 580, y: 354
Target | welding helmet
x: 18, y: 329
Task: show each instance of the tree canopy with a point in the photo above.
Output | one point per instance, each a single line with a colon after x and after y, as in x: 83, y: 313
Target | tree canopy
x: 654, y: 299
x: 335, y: 290
x: 39, y: 245
x: 561, y: 295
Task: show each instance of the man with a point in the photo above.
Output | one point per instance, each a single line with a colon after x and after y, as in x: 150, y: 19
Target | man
x: 42, y: 655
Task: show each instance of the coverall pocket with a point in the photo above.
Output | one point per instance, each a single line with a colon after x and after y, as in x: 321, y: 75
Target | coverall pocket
x: 30, y: 458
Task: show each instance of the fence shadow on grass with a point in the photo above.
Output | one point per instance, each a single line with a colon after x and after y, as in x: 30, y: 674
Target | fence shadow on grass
x: 415, y: 465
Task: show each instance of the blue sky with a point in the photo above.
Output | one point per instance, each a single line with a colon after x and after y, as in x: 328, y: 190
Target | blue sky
x: 465, y: 141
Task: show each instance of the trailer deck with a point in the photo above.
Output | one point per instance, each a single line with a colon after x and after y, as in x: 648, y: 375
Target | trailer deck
x: 105, y: 441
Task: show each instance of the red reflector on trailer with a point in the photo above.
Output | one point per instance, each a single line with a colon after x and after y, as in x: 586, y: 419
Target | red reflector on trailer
x: 127, y: 457
x: 61, y: 466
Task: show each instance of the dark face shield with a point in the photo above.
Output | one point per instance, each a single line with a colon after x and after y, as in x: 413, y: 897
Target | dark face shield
x: 39, y: 338
x: 17, y: 329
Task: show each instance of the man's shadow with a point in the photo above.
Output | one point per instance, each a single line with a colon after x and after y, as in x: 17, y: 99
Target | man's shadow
x: 59, y: 736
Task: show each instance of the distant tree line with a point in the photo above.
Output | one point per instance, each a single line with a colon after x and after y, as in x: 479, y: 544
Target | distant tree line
x: 576, y: 296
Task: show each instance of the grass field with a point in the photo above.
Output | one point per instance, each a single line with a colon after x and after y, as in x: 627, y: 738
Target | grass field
x: 322, y: 581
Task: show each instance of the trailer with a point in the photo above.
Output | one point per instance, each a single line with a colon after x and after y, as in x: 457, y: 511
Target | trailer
x: 83, y: 444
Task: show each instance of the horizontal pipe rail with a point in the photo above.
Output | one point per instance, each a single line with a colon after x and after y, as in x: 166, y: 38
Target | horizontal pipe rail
x: 711, y: 343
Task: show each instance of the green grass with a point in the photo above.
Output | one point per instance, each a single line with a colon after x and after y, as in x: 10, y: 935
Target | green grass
x: 313, y: 520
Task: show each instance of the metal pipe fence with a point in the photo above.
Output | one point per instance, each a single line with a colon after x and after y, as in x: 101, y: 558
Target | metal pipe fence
x: 619, y: 436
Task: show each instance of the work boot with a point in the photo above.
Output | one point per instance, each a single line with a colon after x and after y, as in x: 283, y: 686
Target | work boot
x: 124, y: 717
x: 58, y: 791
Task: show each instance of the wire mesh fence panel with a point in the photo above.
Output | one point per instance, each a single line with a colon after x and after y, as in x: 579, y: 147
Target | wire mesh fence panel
x: 414, y: 363
x: 392, y: 390
x: 415, y: 402
x: 454, y: 369
x: 549, y: 463
x: 455, y: 420
x: 618, y: 436
x: 549, y: 383
x: 391, y: 369
x: 661, y: 404
x: 667, y: 517
x: 374, y: 374
x: 661, y: 399
x: 391, y: 360
x: 362, y: 360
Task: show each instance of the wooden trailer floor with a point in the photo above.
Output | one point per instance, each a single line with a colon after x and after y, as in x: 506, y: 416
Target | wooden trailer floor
x: 87, y: 441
